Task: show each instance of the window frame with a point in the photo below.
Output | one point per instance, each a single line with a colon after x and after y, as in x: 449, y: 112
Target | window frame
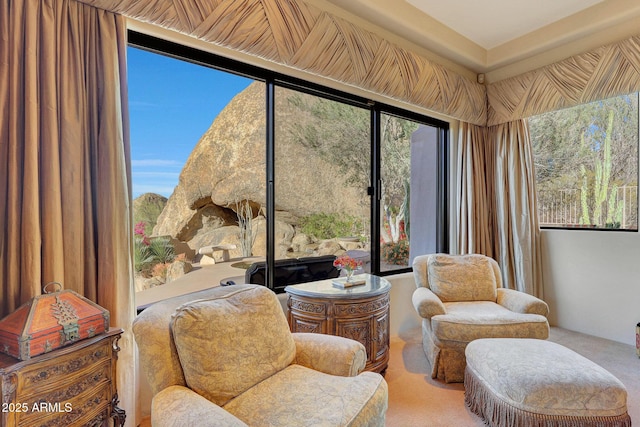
x: 579, y: 227
x: 272, y: 80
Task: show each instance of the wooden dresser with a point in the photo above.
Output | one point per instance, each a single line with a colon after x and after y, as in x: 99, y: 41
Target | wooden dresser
x: 70, y: 386
x: 360, y: 313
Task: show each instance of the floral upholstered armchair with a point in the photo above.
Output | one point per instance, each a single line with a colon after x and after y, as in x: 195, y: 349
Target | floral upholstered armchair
x: 226, y: 357
x: 460, y: 298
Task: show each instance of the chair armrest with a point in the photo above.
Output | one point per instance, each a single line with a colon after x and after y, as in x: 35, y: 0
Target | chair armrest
x: 330, y: 354
x: 521, y: 302
x: 178, y: 406
x: 427, y: 304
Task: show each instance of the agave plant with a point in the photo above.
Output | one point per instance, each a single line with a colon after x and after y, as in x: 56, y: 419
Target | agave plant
x: 142, y: 257
x: 161, y: 250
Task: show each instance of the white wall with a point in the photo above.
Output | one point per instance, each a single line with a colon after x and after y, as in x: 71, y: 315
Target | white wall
x: 403, y: 318
x: 592, y: 281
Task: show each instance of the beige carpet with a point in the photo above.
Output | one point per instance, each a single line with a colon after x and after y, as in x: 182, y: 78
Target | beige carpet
x: 415, y: 399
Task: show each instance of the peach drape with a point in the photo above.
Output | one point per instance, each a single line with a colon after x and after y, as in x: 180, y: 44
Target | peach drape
x: 497, y: 213
x: 65, y: 186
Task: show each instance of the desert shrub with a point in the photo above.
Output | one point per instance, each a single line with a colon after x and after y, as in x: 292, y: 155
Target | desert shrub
x: 148, y: 253
x: 142, y: 259
x: 162, y: 250
x: 328, y: 226
x: 396, y: 253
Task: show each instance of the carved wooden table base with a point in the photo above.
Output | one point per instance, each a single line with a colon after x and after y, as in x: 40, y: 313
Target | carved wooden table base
x: 360, y: 314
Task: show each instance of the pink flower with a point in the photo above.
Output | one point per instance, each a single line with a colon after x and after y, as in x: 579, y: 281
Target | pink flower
x: 138, y: 230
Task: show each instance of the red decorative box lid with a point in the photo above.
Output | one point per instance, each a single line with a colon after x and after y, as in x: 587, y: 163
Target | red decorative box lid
x: 50, y: 321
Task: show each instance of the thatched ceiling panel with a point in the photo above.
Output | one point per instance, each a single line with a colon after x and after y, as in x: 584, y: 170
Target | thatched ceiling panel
x: 300, y: 35
x: 614, y: 75
x: 393, y: 72
x: 602, y: 73
x: 160, y: 12
x: 455, y: 90
x: 291, y: 23
x: 427, y: 90
x: 503, y: 99
x: 571, y: 88
x: 334, y: 44
x: 193, y: 13
x: 241, y: 25
x: 631, y: 51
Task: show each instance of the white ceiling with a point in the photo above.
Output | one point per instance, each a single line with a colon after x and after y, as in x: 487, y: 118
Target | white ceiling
x: 490, y: 23
x: 499, y: 38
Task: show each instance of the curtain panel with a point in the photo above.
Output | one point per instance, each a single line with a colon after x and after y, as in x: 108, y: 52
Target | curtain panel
x: 497, y: 213
x: 473, y: 201
x: 65, y: 184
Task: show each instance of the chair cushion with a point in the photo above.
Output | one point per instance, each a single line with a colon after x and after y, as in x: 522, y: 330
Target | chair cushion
x: 521, y: 379
x: 228, y: 344
x: 299, y: 396
x: 462, y: 277
x: 467, y: 321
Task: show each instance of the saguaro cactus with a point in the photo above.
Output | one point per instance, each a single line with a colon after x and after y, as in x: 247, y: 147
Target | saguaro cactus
x: 604, y: 191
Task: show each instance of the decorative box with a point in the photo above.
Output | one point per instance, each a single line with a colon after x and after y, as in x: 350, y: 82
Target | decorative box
x: 50, y: 321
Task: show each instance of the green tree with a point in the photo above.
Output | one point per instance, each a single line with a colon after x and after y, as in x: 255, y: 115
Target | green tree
x: 341, y: 134
x: 589, y: 150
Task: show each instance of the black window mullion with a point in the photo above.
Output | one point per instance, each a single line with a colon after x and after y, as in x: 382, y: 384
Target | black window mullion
x: 442, y: 237
x: 376, y: 190
x: 270, y: 177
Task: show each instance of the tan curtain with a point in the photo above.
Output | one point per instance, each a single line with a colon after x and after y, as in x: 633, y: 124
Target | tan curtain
x: 64, y: 156
x: 473, y: 199
x: 517, y: 231
x: 497, y: 214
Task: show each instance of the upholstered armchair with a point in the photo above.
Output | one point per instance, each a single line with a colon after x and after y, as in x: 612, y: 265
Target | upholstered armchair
x: 226, y: 357
x: 460, y: 298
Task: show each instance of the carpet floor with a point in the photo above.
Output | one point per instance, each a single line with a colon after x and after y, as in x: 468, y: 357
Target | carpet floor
x: 417, y: 400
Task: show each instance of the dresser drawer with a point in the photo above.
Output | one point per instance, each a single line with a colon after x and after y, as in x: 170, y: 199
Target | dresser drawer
x: 60, y: 394
x: 72, y: 386
x: 73, y: 412
x: 64, y: 369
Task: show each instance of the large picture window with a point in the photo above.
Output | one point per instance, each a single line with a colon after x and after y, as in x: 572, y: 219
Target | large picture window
x: 262, y: 167
x: 586, y: 160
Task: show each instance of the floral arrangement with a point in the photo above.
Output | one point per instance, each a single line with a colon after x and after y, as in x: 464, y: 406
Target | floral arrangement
x: 346, y: 263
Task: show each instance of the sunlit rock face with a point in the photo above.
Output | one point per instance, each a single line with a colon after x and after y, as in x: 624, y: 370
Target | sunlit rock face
x: 227, y: 168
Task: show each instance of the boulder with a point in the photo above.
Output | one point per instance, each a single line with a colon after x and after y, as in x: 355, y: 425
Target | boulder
x: 178, y: 269
x: 329, y: 247
x: 283, y: 236
x: 228, y: 166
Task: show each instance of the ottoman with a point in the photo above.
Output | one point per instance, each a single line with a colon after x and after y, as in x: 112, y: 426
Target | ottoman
x: 530, y: 382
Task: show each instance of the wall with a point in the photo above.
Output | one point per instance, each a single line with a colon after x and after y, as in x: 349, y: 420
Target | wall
x: 592, y: 282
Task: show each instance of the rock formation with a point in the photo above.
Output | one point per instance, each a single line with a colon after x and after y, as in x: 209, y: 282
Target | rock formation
x: 228, y: 166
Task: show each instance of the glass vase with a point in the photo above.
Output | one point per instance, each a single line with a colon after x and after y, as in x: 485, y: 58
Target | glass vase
x: 348, y: 274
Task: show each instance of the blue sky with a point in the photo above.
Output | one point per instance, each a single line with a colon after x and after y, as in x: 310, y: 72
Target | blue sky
x: 171, y: 103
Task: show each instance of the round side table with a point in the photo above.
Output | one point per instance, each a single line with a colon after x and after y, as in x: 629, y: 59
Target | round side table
x: 359, y: 312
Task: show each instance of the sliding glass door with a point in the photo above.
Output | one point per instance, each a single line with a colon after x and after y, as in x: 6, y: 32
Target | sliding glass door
x: 322, y: 174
